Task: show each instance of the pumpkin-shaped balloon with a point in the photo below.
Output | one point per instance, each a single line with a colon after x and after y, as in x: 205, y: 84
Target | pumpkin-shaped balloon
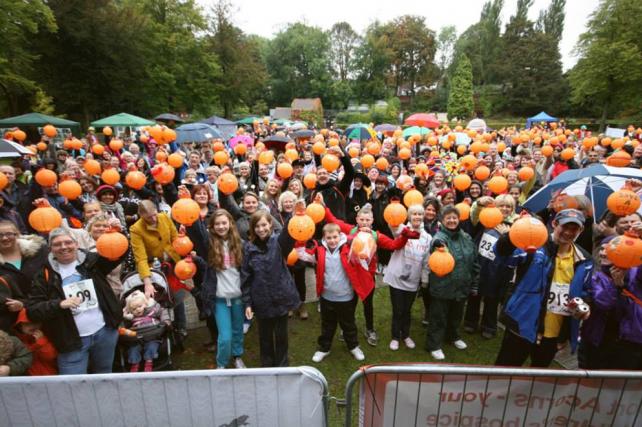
x: 291, y: 155
x: 564, y: 201
x: 107, y: 131
x: 301, y: 227
x: 422, y: 170
x: 382, y: 164
x: 526, y: 173
x: 19, y: 135
x: 318, y: 148
x: 567, y: 154
x: 46, y: 178
x: 185, y: 269
x: 464, y: 211
x: 4, y: 181
x: 441, y: 262
x: 413, y: 197
x: 115, y: 144
x: 395, y: 214
x: 310, y: 181
x: 219, y: 146
x: 240, y: 149
x: 468, y: 162
x: 221, y: 158
x: 169, y: 135
x: 404, y: 153
x: 41, y: 146
x: 547, y: 151
x: 330, y: 162
x: 175, y: 160
x: 620, y: 159
x: 186, y: 211
x: 363, y: 246
x: 367, y: 160
x: 625, y: 251
x: 293, y: 257
x: 161, y: 156
x: 112, y: 245
x: 404, y: 182
x: 284, y: 170
x: 227, y: 183
x: 110, y: 176
x: 49, y: 131
x: 163, y: 173
x: 135, y: 180
x: 491, y: 217
x: 462, y: 182
x: 70, y: 189
x: 44, y: 218
x: 76, y: 144
x: 623, y: 202
x: 92, y: 167
x: 482, y: 173
x: 528, y: 234
x: 316, y: 211
x: 98, y: 149
x: 266, y: 157
x: 182, y: 244
x: 498, y: 184
x: 353, y: 152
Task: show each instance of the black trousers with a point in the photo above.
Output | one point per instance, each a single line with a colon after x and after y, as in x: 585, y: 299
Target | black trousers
x: 515, y: 350
x: 298, y: 274
x: 335, y: 313
x: 425, y: 297
x: 444, y: 319
x: 273, y: 341
x: 368, y: 310
x: 489, y: 314
x: 401, y: 306
x: 628, y: 356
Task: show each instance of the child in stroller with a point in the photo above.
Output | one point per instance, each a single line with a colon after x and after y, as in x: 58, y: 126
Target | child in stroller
x: 143, y: 316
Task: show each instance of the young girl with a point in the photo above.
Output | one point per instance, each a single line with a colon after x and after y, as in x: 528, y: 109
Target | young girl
x: 365, y: 290
x: 220, y: 288
x: 268, y: 288
x: 141, y: 312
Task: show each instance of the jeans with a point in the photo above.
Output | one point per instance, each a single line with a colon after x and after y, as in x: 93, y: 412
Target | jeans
x: 444, y: 318
x: 273, y: 341
x: 515, y: 350
x: 98, y: 348
x: 229, y: 319
x: 341, y: 313
x: 149, y: 351
x: 401, y: 306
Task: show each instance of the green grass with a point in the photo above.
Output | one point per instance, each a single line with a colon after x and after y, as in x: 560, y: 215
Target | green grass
x: 340, y: 364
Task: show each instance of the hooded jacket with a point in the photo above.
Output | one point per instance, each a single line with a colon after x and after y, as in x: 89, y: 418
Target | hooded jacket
x: 44, y: 353
x: 458, y: 283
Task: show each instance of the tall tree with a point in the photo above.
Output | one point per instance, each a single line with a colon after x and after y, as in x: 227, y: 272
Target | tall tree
x: 446, y: 47
x: 343, y: 42
x: 372, y: 63
x: 551, y: 20
x: 608, y: 73
x: 460, y: 98
x: 20, y: 21
x: 243, y: 74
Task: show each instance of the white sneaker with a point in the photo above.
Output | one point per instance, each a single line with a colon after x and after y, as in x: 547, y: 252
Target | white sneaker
x: 357, y: 353
x: 460, y: 345
x: 246, y: 327
x: 394, y: 345
x: 409, y: 342
x: 319, y: 356
x: 239, y: 364
x: 438, y: 355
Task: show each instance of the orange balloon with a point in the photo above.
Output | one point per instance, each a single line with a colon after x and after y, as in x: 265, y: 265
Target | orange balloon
x: 266, y: 157
x: 310, y: 181
x: 221, y: 158
x: 318, y: 148
x: 330, y: 162
x: 413, y: 197
x: 315, y: 211
x: 92, y: 167
x: 70, y: 189
x: 46, y: 178
x: 227, y: 183
x: 462, y: 182
x: 240, y: 149
x: 482, y: 173
x: 110, y: 176
x: 284, y: 170
x: 547, y: 151
x: 367, y: 161
x: 175, y: 160
x: 382, y: 164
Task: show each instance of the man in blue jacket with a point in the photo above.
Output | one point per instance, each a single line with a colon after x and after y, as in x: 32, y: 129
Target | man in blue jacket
x: 537, y: 316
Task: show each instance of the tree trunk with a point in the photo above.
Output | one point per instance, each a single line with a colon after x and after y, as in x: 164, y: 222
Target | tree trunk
x: 605, y: 112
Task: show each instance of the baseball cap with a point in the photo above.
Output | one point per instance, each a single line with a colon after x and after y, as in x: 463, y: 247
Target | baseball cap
x: 570, y: 215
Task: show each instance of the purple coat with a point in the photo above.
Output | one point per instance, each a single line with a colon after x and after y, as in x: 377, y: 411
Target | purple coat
x: 607, y: 298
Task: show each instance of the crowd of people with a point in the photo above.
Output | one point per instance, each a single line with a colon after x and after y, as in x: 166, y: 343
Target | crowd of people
x: 67, y: 308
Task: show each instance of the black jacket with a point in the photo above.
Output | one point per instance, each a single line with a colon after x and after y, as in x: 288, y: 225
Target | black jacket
x: 334, y: 193
x: 43, y: 304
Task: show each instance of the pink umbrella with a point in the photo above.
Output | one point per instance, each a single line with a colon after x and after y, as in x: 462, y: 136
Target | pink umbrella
x: 423, y: 119
x: 245, y: 139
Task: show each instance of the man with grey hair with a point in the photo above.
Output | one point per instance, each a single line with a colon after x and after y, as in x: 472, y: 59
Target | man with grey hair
x: 74, y: 301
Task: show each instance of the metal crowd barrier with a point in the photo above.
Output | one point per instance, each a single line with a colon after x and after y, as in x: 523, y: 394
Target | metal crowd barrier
x: 438, y: 395
x: 222, y: 398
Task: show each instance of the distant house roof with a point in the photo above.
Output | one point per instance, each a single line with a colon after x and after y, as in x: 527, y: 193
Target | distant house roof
x: 280, y: 113
x: 306, y: 104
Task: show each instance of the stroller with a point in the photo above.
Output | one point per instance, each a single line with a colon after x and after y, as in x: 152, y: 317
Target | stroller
x: 162, y: 332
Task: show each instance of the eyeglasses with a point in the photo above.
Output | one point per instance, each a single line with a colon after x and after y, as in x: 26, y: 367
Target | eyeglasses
x: 8, y: 235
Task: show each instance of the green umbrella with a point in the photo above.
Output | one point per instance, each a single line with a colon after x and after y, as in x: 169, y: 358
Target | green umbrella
x: 123, y: 120
x: 282, y: 122
x: 37, y: 119
x: 248, y: 120
x: 415, y: 130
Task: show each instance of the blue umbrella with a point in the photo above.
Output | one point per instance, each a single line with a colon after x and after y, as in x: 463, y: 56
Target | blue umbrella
x: 595, y: 182
x: 196, y: 132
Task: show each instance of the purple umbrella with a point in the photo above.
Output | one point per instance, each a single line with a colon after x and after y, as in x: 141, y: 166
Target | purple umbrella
x: 245, y: 139
x: 385, y: 127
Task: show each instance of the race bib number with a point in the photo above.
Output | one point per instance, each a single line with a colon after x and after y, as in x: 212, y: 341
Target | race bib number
x: 486, y: 245
x: 84, y: 290
x: 558, y: 299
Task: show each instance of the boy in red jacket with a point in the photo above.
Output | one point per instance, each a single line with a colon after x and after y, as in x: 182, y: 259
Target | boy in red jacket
x: 43, y: 351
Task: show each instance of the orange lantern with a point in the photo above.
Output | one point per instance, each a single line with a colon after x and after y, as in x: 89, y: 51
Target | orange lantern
x: 623, y: 202
x: 315, y: 211
x: 240, y: 149
x: 112, y: 245
x: 115, y: 144
x: 185, y: 269
x: 44, y: 218
x: 462, y: 182
x: 49, y: 131
x: 330, y: 162
x: 526, y: 173
x: 291, y: 155
x: 41, y: 146
x: 163, y: 173
x: 395, y: 214
x: 374, y: 148
x: 221, y: 158
x: 528, y: 233
x: 107, y: 131
x: 175, y: 160
x: 70, y: 189
x: 182, y: 244
x: 161, y: 156
x: 567, y: 154
x: 382, y: 164
x: 404, y: 182
x: 227, y: 183
x: 490, y: 217
x: 498, y: 184
x: 617, y: 143
x: 110, y: 176
x: 413, y: 197
x: 464, y: 211
x: 353, y: 152
x: 310, y: 181
x: 482, y: 173
x: 19, y: 135
x: 421, y: 170
x: 441, y: 262
x: 169, y: 135
x: 501, y: 147
x: 46, y: 178
x: 186, y: 211
x: 625, y: 251
x: 367, y: 161
x: 301, y: 227
x: 92, y: 167
x: 266, y: 157
x: 461, y: 150
x: 564, y: 201
x: 318, y: 148
x: 135, y: 179
x: 605, y: 142
x: 620, y: 159
x: 98, y: 149
x: 404, y: 153
x: 284, y: 170
x: 219, y: 146
x: 468, y: 162
x: 547, y: 151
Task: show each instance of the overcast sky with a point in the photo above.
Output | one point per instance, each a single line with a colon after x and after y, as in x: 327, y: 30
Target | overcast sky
x: 266, y: 18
